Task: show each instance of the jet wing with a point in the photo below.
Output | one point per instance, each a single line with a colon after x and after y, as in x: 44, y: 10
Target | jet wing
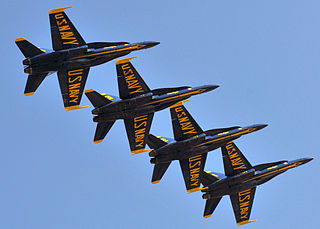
x: 184, y: 126
x: 138, y: 130
x: 63, y: 33
x: 233, y: 160
x: 242, y: 205
x: 129, y: 81
x: 192, y: 168
x: 72, y: 84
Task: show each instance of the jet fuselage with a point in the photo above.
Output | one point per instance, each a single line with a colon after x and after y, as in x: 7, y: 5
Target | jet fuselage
x: 84, y: 56
x: 200, y: 144
x: 248, y: 179
x: 145, y: 104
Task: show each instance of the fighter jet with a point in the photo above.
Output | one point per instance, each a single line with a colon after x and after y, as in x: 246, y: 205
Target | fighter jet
x: 190, y: 146
x: 136, y: 105
x: 240, y: 181
x: 71, y: 58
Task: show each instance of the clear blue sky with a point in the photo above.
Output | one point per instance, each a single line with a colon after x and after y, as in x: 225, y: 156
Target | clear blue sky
x: 263, y: 54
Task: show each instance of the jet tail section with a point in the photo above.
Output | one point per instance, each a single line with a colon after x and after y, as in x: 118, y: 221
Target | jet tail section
x: 97, y: 99
x: 102, y: 130
x: 27, y: 49
x: 207, y: 178
x: 156, y: 142
x: 211, y: 205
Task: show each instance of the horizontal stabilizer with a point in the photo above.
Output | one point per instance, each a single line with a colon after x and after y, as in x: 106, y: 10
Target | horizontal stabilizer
x: 211, y: 205
x: 97, y: 99
x: 158, y: 172
x: 27, y: 49
x: 33, y: 82
x: 102, y: 130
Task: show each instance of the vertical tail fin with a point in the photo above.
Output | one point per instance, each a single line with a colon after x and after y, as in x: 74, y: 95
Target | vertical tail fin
x: 97, y: 99
x: 27, y: 49
x: 156, y: 142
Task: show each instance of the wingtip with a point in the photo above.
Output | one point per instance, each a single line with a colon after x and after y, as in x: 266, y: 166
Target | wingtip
x: 98, y: 141
x: 122, y: 61
x: 20, y: 39
x: 193, y: 190
x: 155, y: 182
x: 58, y: 10
x: 88, y: 91
x: 207, y: 216
x: 140, y: 151
x: 179, y: 103
x: 246, y: 222
x: 29, y: 93
x: 76, y: 107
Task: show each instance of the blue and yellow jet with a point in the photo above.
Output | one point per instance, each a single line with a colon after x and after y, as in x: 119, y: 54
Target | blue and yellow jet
x: 240, y: 181
x: 71, y: 58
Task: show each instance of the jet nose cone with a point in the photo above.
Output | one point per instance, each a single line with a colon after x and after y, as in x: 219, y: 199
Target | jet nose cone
x: 210, y: 87
x: 150, y: 44
x: 260, y: 126
x: 306, y: 160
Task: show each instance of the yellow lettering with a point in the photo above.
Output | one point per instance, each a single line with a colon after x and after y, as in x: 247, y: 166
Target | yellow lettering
x: 64, y: 28
x: 74, y: 86
x: 67, y: 36
x: 73, y: 42
x: 125, y: 66
x: 195, y: 164
x: 73, y: 93
x: 58, y: 16
x: 63, y: 21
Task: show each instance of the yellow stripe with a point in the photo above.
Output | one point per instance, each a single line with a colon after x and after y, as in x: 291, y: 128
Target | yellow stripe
x: 193, y: 190
x: 58, y: 10
x: 75, y: 107
x: 177, y: 96
x: 218, y: 139
x: 246, y: 222
x: 140, y: 151
x: 89, y: 90
x: 179, y: 103
x: 116, y: 50
x: 155, y: 182
x: 20, y: 39
x: 207, y: 216
x: 29, y: 93
x: 277, y: 170
x: 98, y: 141
x: 122, y: 61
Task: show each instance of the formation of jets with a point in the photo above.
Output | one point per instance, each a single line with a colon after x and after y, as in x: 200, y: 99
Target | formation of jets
x: 71, y: 57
